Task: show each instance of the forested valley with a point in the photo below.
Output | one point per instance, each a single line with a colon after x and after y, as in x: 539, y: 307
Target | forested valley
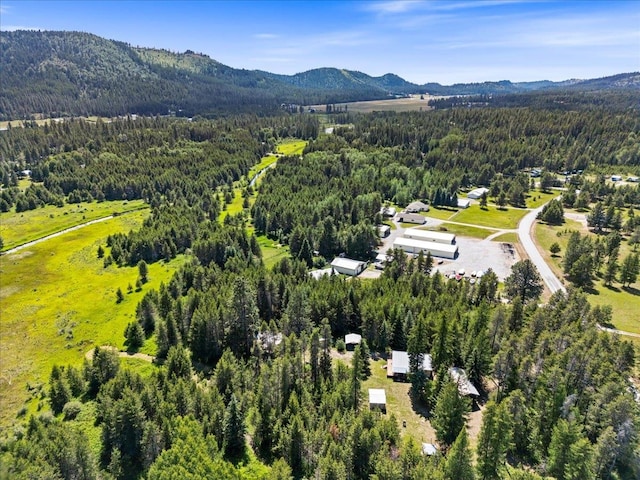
x: 246, y: 380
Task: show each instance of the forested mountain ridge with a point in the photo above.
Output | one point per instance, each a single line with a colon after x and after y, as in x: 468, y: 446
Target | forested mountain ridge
x: 76, y: 73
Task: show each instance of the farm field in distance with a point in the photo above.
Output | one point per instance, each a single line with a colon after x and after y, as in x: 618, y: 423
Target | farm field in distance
x: 58, y: 301
x: 404, y: 104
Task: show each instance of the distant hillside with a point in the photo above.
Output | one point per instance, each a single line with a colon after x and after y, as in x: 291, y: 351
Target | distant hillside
x: 74, y: 73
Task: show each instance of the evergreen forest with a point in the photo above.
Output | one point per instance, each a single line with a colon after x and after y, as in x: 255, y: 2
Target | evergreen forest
x: 249, y: 378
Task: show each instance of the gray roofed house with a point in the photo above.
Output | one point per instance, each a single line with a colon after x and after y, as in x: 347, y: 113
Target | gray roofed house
x: 415, y: 207
x: 398, y: 364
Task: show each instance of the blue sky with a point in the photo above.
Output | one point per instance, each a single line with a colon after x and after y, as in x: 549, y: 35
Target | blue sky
x: 422, y: 41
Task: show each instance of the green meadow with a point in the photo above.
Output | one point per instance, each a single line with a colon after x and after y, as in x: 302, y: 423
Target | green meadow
x: 20, y: 228
x: 58, y: 302
x: 536, y: 199
x: 625, y: 302
x: 463, y: 230
x: 291, y: 146
x: 491, y: 217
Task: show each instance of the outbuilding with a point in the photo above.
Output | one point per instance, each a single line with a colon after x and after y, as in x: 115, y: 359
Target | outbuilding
x: 384, y: 230
x: 351, y: 340
x: 430, y: 236
x: 417, y: 207
x: 408, y: 217
x: 411, y: 245
x: 477, y: 193
x: 378, y: 399
x: 429, y: 449
x: 346, y: 266
x: 398, y: 365
x: 387, y: 211
x: 464, y: 203
x: 465, y: 387
x: 318, y: 274
x: 616, y: 178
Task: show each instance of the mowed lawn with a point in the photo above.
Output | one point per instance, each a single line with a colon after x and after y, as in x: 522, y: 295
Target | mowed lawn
x: 58, y: 301
x: 20, y: 228
x: 491, y: 217
x: 624, y: 302
x: 463, y: 230
x: 398, y: 403
x: 536, y: 198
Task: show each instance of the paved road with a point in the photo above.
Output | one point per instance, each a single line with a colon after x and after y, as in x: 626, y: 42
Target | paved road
x: 524, y: 233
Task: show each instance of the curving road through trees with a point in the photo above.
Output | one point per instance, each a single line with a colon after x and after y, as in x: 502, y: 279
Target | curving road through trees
x: 524, y: 234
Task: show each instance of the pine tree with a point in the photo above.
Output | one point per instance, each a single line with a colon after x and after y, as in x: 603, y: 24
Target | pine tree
x: 234, y: 430
x: 493, y: 441
x: 59, y: 391
x: 630, y: 269
x: 459, y: 464
x: 450, y: 413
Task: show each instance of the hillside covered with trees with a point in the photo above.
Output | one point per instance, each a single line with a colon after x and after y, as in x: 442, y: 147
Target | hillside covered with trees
x: 246, y: 382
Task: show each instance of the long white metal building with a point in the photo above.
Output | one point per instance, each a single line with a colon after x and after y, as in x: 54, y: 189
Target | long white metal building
x: 346, y: 266
x: 411, y: 245
x: 430, y: 236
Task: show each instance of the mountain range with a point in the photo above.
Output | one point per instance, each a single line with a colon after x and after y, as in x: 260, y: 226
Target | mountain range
x: 76, y: 73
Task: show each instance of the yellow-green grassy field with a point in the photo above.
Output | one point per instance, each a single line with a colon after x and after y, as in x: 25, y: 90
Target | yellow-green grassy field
x: 19, y: 228
x: 491, y: 217
x: 291, y: 146
x: 58, y: 301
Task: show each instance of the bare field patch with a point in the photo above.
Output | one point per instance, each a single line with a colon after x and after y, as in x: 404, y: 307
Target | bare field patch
x: 410, y: 104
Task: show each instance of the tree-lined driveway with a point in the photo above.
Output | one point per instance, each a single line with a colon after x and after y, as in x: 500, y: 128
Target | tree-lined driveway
x: 524, y: 234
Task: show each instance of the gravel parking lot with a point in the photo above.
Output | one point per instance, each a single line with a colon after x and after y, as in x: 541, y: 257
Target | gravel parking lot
x: 473, y: 254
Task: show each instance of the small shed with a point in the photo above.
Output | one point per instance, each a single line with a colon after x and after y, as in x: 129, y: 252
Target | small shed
x: 616, y: 178
x: 384, y: 230
x: 429, y: 449
x: 346, y: 266
x: 477, y: 193
x: 351, y: 340
x: 465, y: 387
x: 408, y: 217
x: 378, y: 399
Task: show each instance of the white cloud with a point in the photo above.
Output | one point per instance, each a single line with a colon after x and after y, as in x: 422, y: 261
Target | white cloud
x: 393, y: 6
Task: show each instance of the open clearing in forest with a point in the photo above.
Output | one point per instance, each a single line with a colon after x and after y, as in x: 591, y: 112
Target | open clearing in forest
x: 23, y: 227
x: 624, y: 302
x: 291, y: 146
x: 491, y: 217
x: 58, y: 301
x: 398, y: 403
x: 409, y: 104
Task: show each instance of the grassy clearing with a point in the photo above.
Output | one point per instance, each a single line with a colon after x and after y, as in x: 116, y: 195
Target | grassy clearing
x: 264, y: 163
x: 291, y: 146
x: 58, y: 302
x: 272, y: 252
x: 441, y: 213
x: 463, y: 230
x: 492, y: 217
x: 235, y: 207
x: 399, y: 403
x: 19, y: 228
x: 510, y: 237
x: 536, y: 198
x: 625, y: 302
x: 410, y: 104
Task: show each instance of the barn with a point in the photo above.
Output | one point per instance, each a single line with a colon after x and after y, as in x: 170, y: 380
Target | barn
x: 429, y: 236
x: 346, y: 266
x: 411, y: 245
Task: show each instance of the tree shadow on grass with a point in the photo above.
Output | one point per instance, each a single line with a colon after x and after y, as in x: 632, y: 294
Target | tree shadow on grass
x: 632, y: 290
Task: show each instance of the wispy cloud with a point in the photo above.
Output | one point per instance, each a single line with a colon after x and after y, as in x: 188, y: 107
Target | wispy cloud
x: 393, y: 6
x: 4, y: 9
x: 266, y: 36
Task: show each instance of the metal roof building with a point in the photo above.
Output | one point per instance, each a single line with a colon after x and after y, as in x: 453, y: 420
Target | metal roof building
x: 430, y: 236
x: 346, y: 266
x: 477, y: 193
x: 411, y: 245
x: 398, y: 365
x: 465, y: 387
x: 378, y: 399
